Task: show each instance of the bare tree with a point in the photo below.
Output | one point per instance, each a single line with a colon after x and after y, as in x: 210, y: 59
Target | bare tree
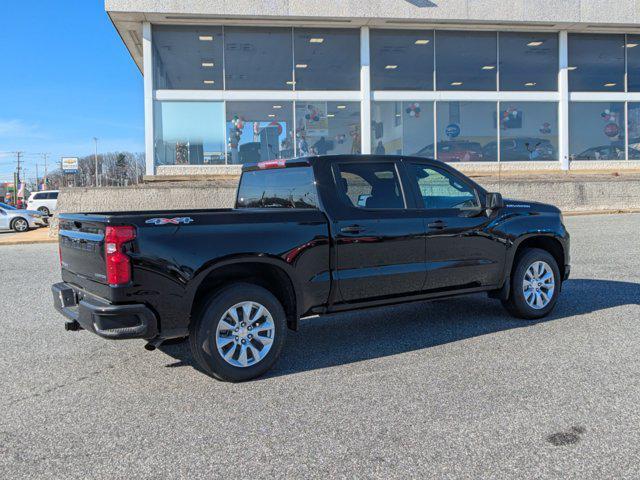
x: 115, y: 169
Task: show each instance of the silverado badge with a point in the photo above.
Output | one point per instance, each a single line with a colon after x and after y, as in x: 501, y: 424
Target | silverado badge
x: 170, y: 221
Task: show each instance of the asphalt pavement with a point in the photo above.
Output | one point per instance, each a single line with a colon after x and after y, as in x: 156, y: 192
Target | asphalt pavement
x: 449, y: 389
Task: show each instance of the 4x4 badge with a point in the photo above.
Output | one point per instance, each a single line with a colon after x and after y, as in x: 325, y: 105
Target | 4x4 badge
x: 170, y: 221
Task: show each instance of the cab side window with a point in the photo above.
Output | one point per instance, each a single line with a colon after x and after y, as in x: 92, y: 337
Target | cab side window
x: 441, y: 190
x: 369, y: 185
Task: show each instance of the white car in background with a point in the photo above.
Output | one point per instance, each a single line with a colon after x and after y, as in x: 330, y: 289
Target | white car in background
x: 44, y: 201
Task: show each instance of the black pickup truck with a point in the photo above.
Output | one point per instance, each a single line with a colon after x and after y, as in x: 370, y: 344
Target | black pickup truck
x: 308, y: 236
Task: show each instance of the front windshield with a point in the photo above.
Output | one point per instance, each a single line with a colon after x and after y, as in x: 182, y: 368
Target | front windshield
x: 7, y: 207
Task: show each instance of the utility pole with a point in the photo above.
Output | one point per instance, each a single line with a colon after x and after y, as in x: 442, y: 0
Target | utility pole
x: 95, y: 157
x: 44, y: 157
x: 18, y: 157
x: 37, y: 182
x: 16, y: 183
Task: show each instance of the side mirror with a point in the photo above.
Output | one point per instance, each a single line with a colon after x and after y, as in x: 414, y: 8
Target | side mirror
x: 494, y: 201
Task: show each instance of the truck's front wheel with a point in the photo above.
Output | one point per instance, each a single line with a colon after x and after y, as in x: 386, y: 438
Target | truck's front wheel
x: 238, y: 332
x: 535, y: 285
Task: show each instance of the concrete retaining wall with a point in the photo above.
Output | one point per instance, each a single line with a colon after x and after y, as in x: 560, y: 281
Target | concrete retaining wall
x: 571, y: 193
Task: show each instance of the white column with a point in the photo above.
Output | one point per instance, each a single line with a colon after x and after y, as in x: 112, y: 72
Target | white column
x: 147, y: 67
x: 365, y: 92
x: 563, y: 104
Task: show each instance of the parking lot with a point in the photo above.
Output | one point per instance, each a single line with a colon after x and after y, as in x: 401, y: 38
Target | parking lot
x: 449, y: 389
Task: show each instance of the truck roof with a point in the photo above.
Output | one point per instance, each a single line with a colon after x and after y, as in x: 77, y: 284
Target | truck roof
x: 310, y: 160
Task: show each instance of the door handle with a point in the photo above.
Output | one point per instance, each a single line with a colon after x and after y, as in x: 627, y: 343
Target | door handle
x: 438, y: 225
x: 352, y: 229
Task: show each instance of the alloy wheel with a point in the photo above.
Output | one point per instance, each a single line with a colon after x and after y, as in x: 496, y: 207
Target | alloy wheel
x: 20, y: 225
x: 538, y: 285
x: 245, y: 334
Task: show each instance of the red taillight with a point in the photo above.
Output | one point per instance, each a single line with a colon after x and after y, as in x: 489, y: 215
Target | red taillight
x: 271, y: 164
x: 118, y: 263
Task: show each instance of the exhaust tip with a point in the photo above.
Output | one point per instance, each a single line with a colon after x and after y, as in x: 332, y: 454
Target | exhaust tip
x: 153, y: 344
x: 72, y: 326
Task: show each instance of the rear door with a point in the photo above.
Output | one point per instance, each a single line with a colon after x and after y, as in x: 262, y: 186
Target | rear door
x: 379, y: 240
x: 52, y: 200
x: 461, y: 252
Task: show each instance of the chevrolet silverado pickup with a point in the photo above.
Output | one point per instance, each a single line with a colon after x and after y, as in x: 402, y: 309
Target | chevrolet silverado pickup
x: 307, y: 236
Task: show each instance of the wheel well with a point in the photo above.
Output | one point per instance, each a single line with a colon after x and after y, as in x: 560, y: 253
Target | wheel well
x: 549, y: 244
x: 267, y: 276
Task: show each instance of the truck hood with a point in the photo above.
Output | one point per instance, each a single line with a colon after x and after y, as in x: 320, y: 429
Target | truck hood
x: 520, y: 205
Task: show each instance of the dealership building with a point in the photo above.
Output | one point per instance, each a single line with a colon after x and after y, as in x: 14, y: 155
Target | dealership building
x: 519, y: 85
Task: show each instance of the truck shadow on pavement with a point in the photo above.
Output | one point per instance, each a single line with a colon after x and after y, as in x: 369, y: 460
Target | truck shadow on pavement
x: 374, y: 333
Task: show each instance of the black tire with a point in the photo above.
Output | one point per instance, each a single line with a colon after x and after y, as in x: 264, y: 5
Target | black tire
x: 20, y: 224
x: 44, y: 211
x: 516, y: 304
x: 202, y: 332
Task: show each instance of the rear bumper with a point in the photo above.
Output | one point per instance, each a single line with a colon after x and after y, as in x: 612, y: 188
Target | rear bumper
x: 101, y: 317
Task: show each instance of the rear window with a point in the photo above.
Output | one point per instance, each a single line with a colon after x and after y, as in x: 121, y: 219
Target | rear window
x: 53, y: 195
x: 292, y: 187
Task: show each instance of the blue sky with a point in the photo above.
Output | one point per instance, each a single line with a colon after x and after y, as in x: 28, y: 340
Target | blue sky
x: 65, y: 77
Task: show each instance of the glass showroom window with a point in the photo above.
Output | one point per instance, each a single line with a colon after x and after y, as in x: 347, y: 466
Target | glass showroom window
x: 327, y: 59
x: 528, y: 131
x: 401, y: 59
x: 189, y: 133
x: 633, y: 62
x: 528, y: 61
x: 327, y: 127
x: 187, y: 57
x: 596, y: 62
x: 596, y: 131
x: 259, y: 131
x: 258, y: 58
x: 466, y: 60
x: 402, y: 128
x: 634, y: 131
x: 466, y: 131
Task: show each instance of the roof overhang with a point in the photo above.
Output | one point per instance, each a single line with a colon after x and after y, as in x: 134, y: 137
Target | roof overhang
x: 128, y: 16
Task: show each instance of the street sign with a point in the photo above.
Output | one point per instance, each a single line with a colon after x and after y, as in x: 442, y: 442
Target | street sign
x: 70, y: 164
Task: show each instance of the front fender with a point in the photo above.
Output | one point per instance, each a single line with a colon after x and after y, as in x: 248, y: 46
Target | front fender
x: 525, y: 228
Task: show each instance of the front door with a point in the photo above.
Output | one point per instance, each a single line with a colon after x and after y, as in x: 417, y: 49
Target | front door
x: 4, y: 220
x: 379, y: 241
x: 461, y: 252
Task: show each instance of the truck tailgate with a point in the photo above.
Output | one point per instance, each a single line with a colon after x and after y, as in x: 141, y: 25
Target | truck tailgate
x: 82, y: 247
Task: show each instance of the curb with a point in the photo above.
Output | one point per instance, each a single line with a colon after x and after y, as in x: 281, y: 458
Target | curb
x: 600, y: 212
x: 28, y: 242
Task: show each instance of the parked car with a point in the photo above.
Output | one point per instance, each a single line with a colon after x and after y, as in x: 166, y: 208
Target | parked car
x: 521, y: 148
x: 454, y: 151
x: 308, y: 236
x: 44, y: 201
x: 603, y: 152
x: 12, y: 218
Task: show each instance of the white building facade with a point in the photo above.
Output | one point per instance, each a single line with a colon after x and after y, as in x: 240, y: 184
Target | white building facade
x: 533, y: 85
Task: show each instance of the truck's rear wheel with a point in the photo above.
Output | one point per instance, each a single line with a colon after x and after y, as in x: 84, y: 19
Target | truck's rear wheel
x: 238, y: 333
x: 535, y: 285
